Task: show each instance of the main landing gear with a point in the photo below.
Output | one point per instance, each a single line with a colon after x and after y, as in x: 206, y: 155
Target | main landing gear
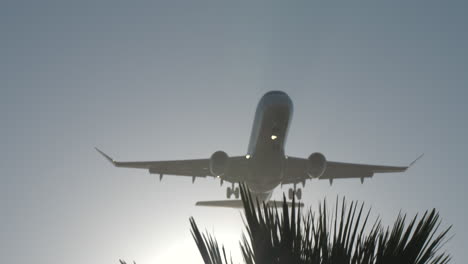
x: 232, y: 190
x: 295, y: 191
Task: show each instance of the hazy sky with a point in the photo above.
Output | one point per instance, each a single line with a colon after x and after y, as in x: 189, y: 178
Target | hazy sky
x: 373, y: 83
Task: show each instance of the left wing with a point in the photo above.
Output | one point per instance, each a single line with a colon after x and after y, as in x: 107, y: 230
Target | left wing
x: 296, y: 170
x: 193, y: 168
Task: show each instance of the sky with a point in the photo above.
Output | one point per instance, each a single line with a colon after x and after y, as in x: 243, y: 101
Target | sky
x: 372, y: 82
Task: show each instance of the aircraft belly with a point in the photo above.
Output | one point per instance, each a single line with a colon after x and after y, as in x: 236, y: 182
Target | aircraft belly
x: 266, y: 173
x: 266, y: 147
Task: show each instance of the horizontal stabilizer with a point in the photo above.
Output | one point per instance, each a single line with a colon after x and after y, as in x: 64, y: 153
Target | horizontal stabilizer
x: 238, y: 204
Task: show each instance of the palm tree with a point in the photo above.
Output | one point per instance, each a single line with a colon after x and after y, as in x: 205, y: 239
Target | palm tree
x: 289, y: 236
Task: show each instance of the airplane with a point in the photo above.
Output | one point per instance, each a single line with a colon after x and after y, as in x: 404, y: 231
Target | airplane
x: 265, y: 166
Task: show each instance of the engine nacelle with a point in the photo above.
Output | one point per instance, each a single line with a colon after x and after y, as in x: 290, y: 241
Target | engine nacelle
x: 219, y: 163
x: 316, y: 165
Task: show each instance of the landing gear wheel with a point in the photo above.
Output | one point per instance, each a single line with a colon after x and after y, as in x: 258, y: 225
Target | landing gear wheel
x: 299, y: 194
x: 236, y: 192
x: 290, y: 194
x: 228, y: 192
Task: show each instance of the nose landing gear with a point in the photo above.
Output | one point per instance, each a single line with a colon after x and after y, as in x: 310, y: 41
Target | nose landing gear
x: 232, y: 191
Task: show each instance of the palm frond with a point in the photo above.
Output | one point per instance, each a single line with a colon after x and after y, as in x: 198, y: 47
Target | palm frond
x: 286, y: 235
x: 208, y: 246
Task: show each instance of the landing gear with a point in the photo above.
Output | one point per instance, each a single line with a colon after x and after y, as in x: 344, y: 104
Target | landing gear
x: 299, y: 194
x: 295, y: 191
x: 236, y: 192
x: 232, y: 190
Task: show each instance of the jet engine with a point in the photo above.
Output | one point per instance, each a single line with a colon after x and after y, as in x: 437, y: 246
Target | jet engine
x: 316, y: 165
x: 218, y: 163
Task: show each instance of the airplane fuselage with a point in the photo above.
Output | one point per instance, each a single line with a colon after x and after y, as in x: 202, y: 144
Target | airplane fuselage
x: 266, y: 147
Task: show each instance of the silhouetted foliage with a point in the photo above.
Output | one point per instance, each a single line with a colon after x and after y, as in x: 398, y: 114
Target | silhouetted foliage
x: 345, y: 236
x: 123, y: 262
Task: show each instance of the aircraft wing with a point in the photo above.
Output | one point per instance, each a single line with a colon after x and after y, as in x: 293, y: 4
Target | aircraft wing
x: 240, y: 205
x: 193, y: 168
x: 296, y: 170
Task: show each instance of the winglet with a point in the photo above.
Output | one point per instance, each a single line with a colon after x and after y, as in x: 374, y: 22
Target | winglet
x: 105, y: 156
x: 412, y: 163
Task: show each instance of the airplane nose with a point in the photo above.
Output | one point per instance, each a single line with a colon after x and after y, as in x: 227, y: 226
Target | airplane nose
x: 277, y: 98
x: 270, y: 93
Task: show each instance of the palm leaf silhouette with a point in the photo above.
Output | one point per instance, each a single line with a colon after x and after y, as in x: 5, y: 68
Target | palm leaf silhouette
x: 277, y: 235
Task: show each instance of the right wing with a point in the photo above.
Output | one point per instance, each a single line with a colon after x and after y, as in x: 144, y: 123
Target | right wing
x: 296, y: 170
x: 193, y: 168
